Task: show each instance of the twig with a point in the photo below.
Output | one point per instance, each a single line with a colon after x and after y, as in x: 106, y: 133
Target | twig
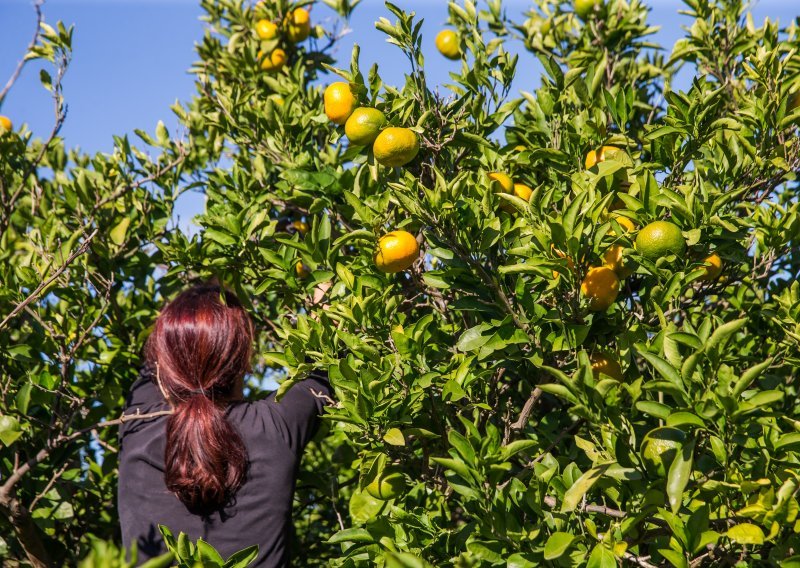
x: 44, y: 284
x: 639, y: 560
x: 15, y: 75
x: 552, y: 502
x: 12, y: 480
x: 525, y: 414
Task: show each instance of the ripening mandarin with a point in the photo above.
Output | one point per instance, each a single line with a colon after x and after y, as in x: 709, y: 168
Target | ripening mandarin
x: 364, y: 125
x: 604, y: 153
x: 501, y: 182
x: 301, y: 270
x: 659, y: 239
x: 659, y: 448
x: 522, y: 191
x: 395, y: 147
x: 600, y: 287
x: 712, y: 265
x: 339, y: 102
x: 298, y: 25
x: 266, y: 29
x: 447, y: 44
x: 585, y: 7
x: 605, y: 364
x: 389, y: 484
x: 275, y: 61
x: 396, y: 251
x: 5, y: 124
x: 614, y: 259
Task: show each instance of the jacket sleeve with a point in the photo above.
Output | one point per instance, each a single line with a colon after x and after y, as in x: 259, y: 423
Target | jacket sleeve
x: 296, y: 416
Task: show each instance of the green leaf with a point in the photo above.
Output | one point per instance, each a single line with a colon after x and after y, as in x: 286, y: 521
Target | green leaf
x: 163, y: 561
x: 208, y: 555
x: 749, y: 376
x: 351, y: 535
x: 746, y: 533
x: 663, y: 367
x: 577, y: 490
x: 120, y: 231
x: 601, y: 557
x: 394, y: 437
x: 557, y: 545
x: 723, y: 332
x: 243, y: 558
x: 679, y: 473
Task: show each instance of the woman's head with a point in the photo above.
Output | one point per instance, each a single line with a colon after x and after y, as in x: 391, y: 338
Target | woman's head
x: 201, y: 347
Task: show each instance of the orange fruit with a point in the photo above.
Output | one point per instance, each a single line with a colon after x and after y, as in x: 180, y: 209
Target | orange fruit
x: 300, y: 226
x: 301, y: 270
x: 5, y: 124
x: 659, y: 239
x: 501, y: 182
x: 266, y: 29
x: 447, y: 44
x: 712, y: 265
x: 522, y: 191
x: 390, y: 483
x: 614, y: 260
x: 604, y: 153
x: 559, y: 254
x: 395, y: 147
x: 623, y: 222
x: 364, y: 125
x: 339, y: 102
x: 600, y: 287
x: 298, y: 25
x: 602, y: 363
x: 274, y: 62
x: 659, y: 449
x: 396, y: 251
x: 585, y: 7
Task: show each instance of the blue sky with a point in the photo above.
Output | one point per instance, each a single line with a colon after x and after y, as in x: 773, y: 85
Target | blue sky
x: 131, y: 56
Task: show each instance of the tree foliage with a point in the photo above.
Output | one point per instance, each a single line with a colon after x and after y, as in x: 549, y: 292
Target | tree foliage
x: 471, y: 373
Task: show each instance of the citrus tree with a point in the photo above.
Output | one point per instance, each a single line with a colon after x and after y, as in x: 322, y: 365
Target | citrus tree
x: 562, y: 326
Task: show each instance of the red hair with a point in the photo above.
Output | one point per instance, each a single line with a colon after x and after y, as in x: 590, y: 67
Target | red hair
x: 201, y: 348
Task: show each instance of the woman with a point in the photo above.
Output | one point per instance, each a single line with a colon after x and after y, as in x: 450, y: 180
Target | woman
x: 218, y: 468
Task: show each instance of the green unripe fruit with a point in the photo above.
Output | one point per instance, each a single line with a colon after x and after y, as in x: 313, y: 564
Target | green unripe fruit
x: 387, y: 485
x: 659, y: 239
x: 364, y: 125
x: 659, y: 449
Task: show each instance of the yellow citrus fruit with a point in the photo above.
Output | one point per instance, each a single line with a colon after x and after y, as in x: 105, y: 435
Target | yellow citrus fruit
x: 659, y: 239
x: 522, y: 191
x: 388, y: 485
x: 623, y: 222
x: 659, y: 448
x: 277, y: 99
x: 300, y: 226
x: 713, y: 267
x: 396, y: 251
x: 266, y: 29
x: 604, y: 153
x: 5, y: 124
x: 395, y: 147
x: 301, y: 270
x: 501, y: 182
x: 339, y: 102
x: 298, y: 25
x: 273, y: 62
x: 364, y: 125
x: 447, y: 44
x: 585, y: 7
x: 602, y: 363
x: 600, y: 287
x: 520, y: 148
x: 613, y: 258
x: 559, y: 254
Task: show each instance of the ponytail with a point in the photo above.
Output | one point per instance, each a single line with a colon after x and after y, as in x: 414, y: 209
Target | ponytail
x: 205, y: 457
x: 201, y: 346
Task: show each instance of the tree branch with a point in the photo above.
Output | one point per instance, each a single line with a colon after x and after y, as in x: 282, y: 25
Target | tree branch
x: 37, y: 5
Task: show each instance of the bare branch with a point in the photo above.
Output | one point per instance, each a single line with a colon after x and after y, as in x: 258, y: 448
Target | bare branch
x: 37, y: 5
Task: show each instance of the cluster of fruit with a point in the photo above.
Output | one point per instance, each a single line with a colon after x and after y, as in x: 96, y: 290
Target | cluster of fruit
x: 293, y: 28
x: 392, y: 146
